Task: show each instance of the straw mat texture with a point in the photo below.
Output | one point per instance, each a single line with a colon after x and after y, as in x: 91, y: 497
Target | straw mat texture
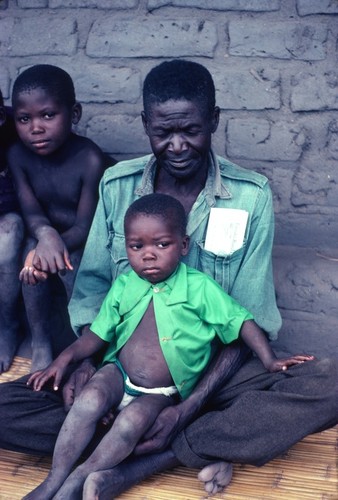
x: 308, y: 471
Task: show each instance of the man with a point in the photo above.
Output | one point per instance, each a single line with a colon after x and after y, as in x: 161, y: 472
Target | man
x: 258, y: 415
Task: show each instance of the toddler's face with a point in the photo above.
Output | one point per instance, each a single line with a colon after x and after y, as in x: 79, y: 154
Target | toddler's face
x: 154, y: 247
x: 42, y: 122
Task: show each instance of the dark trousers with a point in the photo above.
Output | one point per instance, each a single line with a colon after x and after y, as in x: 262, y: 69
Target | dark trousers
x: 255, y: 417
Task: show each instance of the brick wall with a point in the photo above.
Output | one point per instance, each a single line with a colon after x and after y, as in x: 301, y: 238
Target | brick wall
x: 274, y: 65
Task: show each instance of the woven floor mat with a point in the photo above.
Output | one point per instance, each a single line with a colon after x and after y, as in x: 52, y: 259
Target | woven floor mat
x: 308, y: 471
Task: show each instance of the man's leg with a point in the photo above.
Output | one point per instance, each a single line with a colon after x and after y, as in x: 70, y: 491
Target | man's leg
x: 252, y: 408
x: 262, y: 414
x: 11, y: 238
x: 30, y: 420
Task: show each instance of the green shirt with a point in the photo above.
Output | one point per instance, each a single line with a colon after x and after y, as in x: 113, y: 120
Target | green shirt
x: 191, y: 310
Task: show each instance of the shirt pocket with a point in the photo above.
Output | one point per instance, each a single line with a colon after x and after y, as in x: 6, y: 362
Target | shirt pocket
x: 117, y: 249
x: 222, y: 269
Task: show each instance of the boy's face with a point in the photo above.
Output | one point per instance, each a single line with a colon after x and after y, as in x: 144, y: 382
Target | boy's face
x: 154, y: 246
x: 180, y: 136
x: 42, y: 122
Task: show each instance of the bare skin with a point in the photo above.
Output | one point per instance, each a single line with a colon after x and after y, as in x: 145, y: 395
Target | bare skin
x: 94, y: 402
x: 56, y: 174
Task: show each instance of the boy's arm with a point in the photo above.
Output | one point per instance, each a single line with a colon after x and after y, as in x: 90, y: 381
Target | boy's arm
x: 75, y: 237
x: 38, y: 224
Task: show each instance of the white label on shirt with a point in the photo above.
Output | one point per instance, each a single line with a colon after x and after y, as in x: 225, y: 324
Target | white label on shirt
x: 226, y: 230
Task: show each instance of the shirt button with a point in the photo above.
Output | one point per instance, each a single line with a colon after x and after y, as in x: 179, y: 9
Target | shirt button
x: 156, y: 289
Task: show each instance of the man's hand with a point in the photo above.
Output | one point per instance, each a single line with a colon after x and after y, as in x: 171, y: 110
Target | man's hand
x: 162, y: 432
x: 76, y: 381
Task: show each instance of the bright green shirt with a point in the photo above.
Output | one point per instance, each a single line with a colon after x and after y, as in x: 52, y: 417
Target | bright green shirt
x: 191, y: 310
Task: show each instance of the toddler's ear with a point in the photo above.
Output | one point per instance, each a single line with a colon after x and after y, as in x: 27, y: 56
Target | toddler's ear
x: 76, y: 113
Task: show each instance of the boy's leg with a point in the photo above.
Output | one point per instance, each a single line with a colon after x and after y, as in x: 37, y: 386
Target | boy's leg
x: 129, y: 426
x: 11, y: 238
x: 103, y: 391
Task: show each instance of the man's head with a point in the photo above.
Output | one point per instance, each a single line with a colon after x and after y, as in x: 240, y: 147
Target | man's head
x: 155, y: 231
x: 179, y: 118
x: 44, y: 107
x: 179, y: 80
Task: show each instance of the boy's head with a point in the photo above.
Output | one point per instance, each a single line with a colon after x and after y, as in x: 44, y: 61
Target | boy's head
x: 155, y: 231
x: 56, y: 82
x: 44, y: 107
x: 176, y: 80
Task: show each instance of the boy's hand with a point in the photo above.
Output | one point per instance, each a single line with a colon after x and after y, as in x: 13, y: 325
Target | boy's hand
x: 277, y: 365
x: 28, y: 274
x: 51, y: 254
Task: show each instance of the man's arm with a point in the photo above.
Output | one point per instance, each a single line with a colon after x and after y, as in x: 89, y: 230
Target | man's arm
x: 174, y: 418
x: 253, y: 287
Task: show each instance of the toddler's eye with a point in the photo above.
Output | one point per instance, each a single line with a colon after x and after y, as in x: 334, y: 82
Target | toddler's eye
x: 163, y: 245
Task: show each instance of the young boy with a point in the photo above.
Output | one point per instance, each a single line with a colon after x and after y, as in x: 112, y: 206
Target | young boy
x: 11, y: 239
x: 160, y: 324
x: 56, y: 175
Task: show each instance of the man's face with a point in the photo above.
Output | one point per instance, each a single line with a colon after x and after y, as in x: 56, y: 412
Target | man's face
x: 43, y: 124
x: 180, y: 136
x: 154, y: 246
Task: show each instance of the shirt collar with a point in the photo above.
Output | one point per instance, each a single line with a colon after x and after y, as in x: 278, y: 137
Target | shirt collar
x: 136, y: 288
x: 213, y: 186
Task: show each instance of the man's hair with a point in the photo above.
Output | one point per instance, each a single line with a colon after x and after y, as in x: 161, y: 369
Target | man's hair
x: 1, y: 99
x: 179, y: 79
x: 54, y: 80
x: 159, y: 205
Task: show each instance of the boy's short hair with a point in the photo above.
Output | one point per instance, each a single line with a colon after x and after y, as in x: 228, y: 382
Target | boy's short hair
x: 159, y: 205
x: 54, y: 80
x: 179, y: 79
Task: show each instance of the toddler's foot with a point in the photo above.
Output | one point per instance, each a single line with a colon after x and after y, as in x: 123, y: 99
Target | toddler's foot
x: 216, y: 476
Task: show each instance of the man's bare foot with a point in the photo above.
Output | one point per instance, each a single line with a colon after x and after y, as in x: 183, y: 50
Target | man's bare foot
x: 216, y: 476
x: 42, y: 356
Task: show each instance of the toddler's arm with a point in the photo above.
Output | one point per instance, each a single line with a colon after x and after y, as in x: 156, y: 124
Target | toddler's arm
x: 254, y: 337
x: 82, y: 348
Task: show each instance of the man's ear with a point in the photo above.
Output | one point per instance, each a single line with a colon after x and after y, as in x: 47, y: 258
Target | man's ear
x: 76, y: 113
x: 215, y: 119
x: 185, y: 245
x: 144, y: 122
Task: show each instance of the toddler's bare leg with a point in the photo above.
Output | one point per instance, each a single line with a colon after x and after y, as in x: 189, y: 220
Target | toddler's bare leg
x: 118, y: 443
x: 104, y: 390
